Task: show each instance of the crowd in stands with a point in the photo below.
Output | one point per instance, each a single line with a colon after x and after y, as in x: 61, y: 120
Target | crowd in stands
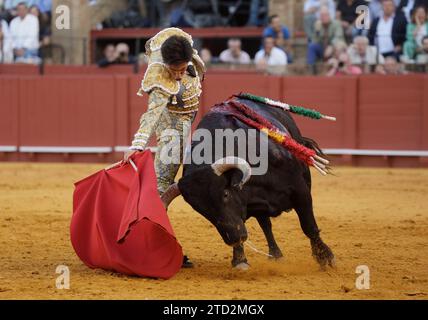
x: 24, y: 29
x: 397, y: 36
x: 116, y: 54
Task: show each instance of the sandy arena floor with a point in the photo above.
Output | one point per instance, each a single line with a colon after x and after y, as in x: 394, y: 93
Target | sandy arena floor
x: 373, y: 217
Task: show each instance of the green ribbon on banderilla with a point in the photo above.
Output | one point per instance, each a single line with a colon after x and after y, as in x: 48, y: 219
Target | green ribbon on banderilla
x: 313, y: 114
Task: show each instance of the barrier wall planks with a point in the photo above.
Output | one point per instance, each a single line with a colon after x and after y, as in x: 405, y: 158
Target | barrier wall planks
x: 77, y: 109
x: 67, y: 111
x: 390, y: 112
x: 121, y: 109
x: 19, y: 69
x: 331, y: 96
x: 9, y: 111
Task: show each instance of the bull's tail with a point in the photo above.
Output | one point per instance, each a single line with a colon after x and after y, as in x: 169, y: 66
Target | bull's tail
x: 312, y: 144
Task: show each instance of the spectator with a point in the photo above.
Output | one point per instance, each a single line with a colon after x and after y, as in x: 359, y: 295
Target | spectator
x: 407, y: 6
x: 116, y: 55
x: 391, y: 66
x: 327, y: 33
x: 347, y: 14
x: 388, y: 32
x: 6, y: 50
x: 110, y: 56
x: 45, y: 7
x: 342, y: 66
x: 335, y: 50
x: 11, y: 7
x: 422, y: 58
x: 361, y: 53
x: 375, y: 8
x: 123, y: 56
x: 280, y: 33
x: 24, y: 32
x: 270, y: 56
x: 206, y: 56
x: 234, y: 53
x: 311, y: 13
x: 416, y: 31
x: 44, y: 25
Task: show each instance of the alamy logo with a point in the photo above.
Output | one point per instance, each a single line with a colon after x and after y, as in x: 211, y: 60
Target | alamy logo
x: 63, y: 280
x: 62, y: 21
x: 363, y: 20
x: 363, y: 280
x: 212, y: 146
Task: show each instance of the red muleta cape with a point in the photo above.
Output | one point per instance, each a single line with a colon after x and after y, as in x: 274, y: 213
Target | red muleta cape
x: 119, y: 222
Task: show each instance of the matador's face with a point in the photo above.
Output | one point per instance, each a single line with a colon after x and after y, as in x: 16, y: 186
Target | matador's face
x: 178, y: 70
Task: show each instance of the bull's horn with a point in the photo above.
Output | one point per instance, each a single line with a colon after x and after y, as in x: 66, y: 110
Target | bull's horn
x: 170, y: 194
x: 228, y: 163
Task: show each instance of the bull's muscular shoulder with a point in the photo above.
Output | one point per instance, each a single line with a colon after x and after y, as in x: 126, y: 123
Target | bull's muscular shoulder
x: 269, y: 195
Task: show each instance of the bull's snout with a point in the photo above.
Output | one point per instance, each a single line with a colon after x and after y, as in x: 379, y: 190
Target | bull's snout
x: 235, y: 237
x: 241, y: 241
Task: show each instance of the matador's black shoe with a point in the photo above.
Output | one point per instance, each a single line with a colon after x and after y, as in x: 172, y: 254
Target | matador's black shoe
x: 187, y: 263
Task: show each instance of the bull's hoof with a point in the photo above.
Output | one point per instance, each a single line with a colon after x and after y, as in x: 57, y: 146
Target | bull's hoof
x: 322, y: 254
x: 242, y: 266
x: 275, y: 254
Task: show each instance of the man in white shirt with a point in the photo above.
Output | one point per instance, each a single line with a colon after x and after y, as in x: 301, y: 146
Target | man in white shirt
x: 271, y: 58
x: 234, y: 53
x: 388, y: 32
x: 24, y: 31
x: 384, y: 34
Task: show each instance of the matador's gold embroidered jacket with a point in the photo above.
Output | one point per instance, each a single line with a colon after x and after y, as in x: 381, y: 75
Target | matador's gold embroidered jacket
x: 178, y: 97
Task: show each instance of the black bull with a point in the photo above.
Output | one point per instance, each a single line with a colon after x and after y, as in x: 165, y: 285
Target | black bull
x: 218, y: 195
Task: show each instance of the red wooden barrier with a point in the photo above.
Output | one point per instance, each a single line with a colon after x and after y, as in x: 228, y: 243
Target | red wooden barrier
x: 19, y: 69
x: 24, y: 69
x: 88, y: 70
x: 121, y: 117
x: 67, y: 111
x: 424, y: 120
x: 216, y: 32
x: 390, y: 112
x: 81, y: 110
x: 137, y: 106
x: 9, y: 111
x: 331, y: 96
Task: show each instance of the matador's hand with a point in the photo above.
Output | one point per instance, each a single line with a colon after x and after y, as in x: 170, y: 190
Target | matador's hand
x: 127, y: 155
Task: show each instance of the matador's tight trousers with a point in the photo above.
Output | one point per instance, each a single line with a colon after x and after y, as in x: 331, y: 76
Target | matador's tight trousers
x: 172, y: 131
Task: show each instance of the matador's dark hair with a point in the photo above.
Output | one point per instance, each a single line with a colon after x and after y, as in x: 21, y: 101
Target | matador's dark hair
x: 176, y: 50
